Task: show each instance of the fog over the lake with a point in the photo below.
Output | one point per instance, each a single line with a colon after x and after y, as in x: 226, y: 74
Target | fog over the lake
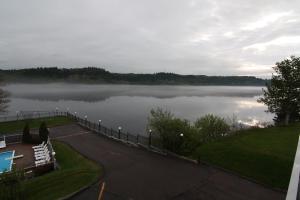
x: 129, y: 105
x: 231, y: 37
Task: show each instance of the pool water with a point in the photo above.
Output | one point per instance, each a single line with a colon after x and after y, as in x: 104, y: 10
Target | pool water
x: 5, y: 161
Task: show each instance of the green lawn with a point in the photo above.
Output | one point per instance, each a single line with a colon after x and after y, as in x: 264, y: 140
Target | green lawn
x: 13, y: 126
x: 75, y: 173
x: 266, y: 155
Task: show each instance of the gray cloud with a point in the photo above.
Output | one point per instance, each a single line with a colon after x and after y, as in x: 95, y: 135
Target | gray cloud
x: 231, y: 37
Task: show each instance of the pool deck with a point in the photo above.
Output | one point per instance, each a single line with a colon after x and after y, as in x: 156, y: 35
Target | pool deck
x: 21, y: 149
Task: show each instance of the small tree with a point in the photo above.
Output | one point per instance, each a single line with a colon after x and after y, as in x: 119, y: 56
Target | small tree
x: 26, y: 137
x: 283, y: 93
x: 211, y: 127
x: 43, y: 132
x: 169, y: 129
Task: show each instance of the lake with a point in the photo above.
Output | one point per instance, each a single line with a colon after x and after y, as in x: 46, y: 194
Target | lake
x: 128, y: 106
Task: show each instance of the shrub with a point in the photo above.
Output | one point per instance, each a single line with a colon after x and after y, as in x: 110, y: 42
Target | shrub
x: 11, y: 185
x: 26, y: 137
x: 43, y: 132
x: 211, y: 127
x: 169, y: 129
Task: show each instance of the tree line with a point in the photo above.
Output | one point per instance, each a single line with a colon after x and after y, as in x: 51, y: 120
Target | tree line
x: 100, y: 75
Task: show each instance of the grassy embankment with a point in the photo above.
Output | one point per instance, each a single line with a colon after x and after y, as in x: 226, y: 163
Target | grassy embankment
x: 265, y: 155
x: 75, y: 173
x: 13, y: 126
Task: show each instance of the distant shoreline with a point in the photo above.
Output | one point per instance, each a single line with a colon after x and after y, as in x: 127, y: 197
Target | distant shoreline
x: 132, y: 84
x: 92, y: 75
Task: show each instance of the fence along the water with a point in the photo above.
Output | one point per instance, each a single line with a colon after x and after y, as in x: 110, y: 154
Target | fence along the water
x: 109, y: 132
x: 293, y: 190
x: 96, y: 127
x: 31, y: 115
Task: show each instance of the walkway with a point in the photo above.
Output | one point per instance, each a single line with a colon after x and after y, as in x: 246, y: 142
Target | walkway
x: 133, y: 173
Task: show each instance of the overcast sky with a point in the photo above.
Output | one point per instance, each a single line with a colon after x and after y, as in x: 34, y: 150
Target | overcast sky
x: 225, y: 37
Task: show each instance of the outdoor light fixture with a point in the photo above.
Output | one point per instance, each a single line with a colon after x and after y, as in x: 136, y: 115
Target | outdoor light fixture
x: 53, y: 153
x: 85, y: 117
x: 120, y: 128
x: 181, y: 134
x: 100, y: 121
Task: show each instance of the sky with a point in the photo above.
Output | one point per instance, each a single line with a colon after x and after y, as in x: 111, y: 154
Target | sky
x: 228, y: 37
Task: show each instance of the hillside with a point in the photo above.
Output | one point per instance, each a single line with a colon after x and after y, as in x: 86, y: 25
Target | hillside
x: 99, y: 75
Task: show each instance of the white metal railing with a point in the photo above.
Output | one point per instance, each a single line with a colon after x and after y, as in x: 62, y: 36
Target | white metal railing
x: 292, y: 193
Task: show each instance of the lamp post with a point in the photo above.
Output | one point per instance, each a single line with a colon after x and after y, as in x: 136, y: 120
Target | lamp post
x: 119, y: 133
x: 53, y: 157
x: 150, y: 136
x: 100, y: 124
x: 85, y: 119
x: 56, y: 110
x: 181, y: 138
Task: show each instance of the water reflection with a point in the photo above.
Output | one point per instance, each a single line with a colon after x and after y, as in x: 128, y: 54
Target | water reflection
x: 129, y: 105
x: 92, y: 93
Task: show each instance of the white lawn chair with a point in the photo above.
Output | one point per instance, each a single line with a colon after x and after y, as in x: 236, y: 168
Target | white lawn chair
x: 38, y: 146
x: 42, y: 156
x: 41, y: 153
x: 41, y: 162
x: 41, y: 150
x: 43, y: 159
x: 2, y: 144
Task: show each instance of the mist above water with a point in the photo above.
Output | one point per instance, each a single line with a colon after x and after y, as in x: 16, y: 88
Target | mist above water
x: 129, y: 105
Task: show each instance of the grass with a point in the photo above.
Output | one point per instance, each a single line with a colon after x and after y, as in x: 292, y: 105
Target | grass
x: 75, y: 173
x: 265, y: 155
x: 14, y: 126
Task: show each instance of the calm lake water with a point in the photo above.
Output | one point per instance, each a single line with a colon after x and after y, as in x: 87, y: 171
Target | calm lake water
x: 129, y: 105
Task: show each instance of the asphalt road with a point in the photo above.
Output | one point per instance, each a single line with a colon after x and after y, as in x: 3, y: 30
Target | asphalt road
x: 133, y: 173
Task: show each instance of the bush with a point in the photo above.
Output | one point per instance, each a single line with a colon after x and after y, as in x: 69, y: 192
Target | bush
x: 11, y: 185
x: 211, y: 127
x: 26, y: 137
x: 169, y: 129
x: 43, y: 132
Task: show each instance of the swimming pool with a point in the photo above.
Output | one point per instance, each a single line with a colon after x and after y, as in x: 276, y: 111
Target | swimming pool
x: 6, y: 161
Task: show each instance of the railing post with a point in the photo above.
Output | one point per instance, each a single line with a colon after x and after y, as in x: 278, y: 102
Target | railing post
x: 119, y: 133
x: 127, y: 137
x: 137, y: 138
x: 99, y: 125
x: 85, y: 119
x: 111, y: 132
x: 150, y: 136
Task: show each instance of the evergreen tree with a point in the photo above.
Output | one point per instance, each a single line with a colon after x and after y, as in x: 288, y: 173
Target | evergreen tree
x: 283, y: 93
x: 43, y: 132
x: 26, y: 137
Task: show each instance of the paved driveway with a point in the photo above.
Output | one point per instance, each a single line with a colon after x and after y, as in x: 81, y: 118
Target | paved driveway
x: 133, y: 173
